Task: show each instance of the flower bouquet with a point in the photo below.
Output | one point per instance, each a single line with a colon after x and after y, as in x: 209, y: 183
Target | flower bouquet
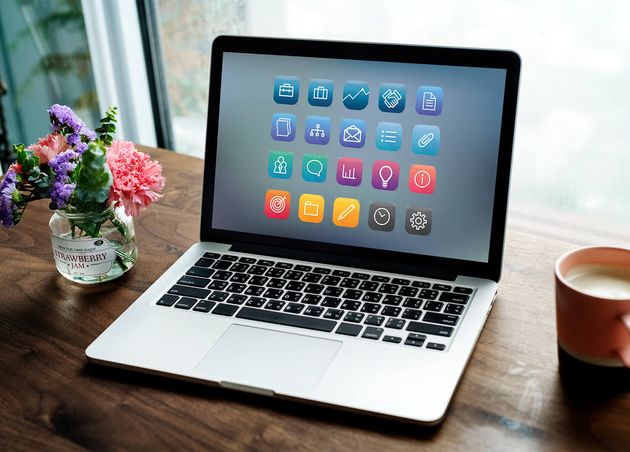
x: 95, y: 185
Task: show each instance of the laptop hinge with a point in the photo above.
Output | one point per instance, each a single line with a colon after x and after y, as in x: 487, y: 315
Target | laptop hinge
x: 347, y: 261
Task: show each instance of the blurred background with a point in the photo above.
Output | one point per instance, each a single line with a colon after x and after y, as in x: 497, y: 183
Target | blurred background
x: 571, y: 162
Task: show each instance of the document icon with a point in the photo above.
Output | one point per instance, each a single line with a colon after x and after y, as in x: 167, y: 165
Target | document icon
x: 283, y: 127
x: 352, y: 133
x: 311, y: 208
x: 429, y: 100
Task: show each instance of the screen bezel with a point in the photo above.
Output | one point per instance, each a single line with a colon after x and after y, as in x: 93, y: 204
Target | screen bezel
x: 342, y: 254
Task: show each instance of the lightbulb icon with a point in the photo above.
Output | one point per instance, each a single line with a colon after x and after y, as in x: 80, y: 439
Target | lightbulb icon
x: 385, y: 173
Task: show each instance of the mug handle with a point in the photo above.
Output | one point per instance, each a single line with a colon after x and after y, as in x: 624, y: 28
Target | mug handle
x: 624, y: 353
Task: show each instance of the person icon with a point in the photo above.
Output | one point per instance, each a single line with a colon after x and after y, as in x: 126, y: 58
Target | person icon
x: 280, y: 166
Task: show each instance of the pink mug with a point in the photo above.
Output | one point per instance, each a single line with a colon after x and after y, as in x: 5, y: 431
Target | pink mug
x: 593, y: 329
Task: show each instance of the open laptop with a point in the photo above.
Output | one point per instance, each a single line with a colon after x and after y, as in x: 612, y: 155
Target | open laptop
x: 352, y: 227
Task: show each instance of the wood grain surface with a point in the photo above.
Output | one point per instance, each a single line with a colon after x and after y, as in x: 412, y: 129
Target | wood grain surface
x: 510, y: 397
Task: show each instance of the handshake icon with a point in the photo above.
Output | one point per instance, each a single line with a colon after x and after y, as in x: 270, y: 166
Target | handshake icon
x: 391, y: 98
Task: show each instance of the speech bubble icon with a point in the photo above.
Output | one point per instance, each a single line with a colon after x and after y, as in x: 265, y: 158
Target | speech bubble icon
x: 315, y: 167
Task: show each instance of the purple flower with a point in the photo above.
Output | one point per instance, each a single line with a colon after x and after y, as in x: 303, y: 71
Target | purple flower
x: 7, y: 206
x: 63, y: 120
x: 62, y: 188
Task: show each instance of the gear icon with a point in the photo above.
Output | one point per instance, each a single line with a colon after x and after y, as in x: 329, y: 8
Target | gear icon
x: 418, y: 221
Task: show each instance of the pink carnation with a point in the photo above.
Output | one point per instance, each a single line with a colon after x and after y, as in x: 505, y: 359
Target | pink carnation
x: 49, y: 147
x: 137, y: 179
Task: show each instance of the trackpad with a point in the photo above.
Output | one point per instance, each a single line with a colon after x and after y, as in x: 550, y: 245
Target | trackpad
x: 269, y: 360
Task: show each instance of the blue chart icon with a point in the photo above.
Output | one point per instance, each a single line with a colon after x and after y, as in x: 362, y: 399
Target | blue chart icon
x: 425, y: 139
x: 388, y: 136
x: 320, y: 93
x: 317, y: 130
x: 283, y: 127
x: 356, y: 95
x: 391, y: 98
x: 429, y: 100
x: 286, y: 90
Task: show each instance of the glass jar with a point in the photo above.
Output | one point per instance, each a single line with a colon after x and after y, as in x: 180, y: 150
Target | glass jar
x: 95, y: 247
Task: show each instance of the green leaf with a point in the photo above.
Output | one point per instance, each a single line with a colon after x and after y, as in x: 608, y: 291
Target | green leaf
x: 93, y: 179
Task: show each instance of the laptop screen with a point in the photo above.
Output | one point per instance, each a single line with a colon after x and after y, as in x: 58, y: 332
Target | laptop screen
x: 379, y: 155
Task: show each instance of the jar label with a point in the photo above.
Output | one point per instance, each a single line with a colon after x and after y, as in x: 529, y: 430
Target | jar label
x: 83, y: 257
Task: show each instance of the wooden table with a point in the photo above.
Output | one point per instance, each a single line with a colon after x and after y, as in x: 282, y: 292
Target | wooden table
x: 510, y: 397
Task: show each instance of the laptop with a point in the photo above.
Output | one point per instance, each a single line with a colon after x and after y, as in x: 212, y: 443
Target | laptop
x: 352, y: 227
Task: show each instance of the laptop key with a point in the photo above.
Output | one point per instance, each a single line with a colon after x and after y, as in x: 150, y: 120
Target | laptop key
x: 236, y: 288
x: 275, y: 272
x: 239, y: 267
x: 203, y: 262
x: 415, y: 340
x: 393, y: 339
x: 247, y: 260
x: 333, y: 291
x: 380, y: 278
x: 204, y: 306
x: 430, y: 294
x: 349, y: 283
x: 393, y: 300
x: 348, y: 329
x: 322, y: 270
x: 295, y: 285
x: 396, y: 324
x: 443, y: 287
x: 167, y: 300
x: 275, y: 305
x: 371, y: 308
x: 314, y: 288
x: 273, y: 293
x: 256, y: 302
x: 293, y: 275
x: 421, y: 284
x: 264, y: 262
x: 240, y: 277
x: 412, y: 314
x: 330, y: 280
x: 434, y: 306
x: 371, y: 332
x: 354, y: 317
x: 444, y: 319
x: 257, y: 270
x: 258, y: 280
x: 408, y: 291
x: 218, y: 296
x: 185, y: 303
x: 372, y: 296
x: 311, y: 278
x: 218, y: 285
x: 284, y: 265
x: 352, y: 294
x: 311, y: 299
x: 456, y: 309
x: 369, y: 285
x: 303, y: 268
x: 200, y: 271
x: 454, y: 297
x: 276, y: 283
x: 428, y: 328
x: 350, y: 305
x: 226, y: 309
x: 436, y: 346
x: 292, y: 296
x: 222, y: 265
x: 465, y: 290
x: 415, y: 303
x: 281, y: 318
x: 229, y: 257
x: 187, y: 291
x: 376, y: 320
x: 314, y: 311
x: 342, y: 273
x: 334, y: 314
x: 223, y: 275
x: 388, y: 288
x: 401, y: 282
x: 295, y: 308
x: 210, y: 255
x: 357, y: 275
x: 236, y: 299
x: 331, y: 302
x: 391, y: 311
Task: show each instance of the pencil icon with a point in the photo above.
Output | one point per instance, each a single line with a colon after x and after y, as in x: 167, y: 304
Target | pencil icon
x: 346, y: 212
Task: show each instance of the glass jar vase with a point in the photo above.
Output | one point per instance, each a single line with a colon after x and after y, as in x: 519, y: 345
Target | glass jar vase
x: 95, y: 247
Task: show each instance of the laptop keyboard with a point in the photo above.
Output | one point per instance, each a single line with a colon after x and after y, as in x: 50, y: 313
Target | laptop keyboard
x: 407, y: 311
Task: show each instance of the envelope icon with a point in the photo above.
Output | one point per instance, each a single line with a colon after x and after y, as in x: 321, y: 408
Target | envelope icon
x: 352, y: 134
